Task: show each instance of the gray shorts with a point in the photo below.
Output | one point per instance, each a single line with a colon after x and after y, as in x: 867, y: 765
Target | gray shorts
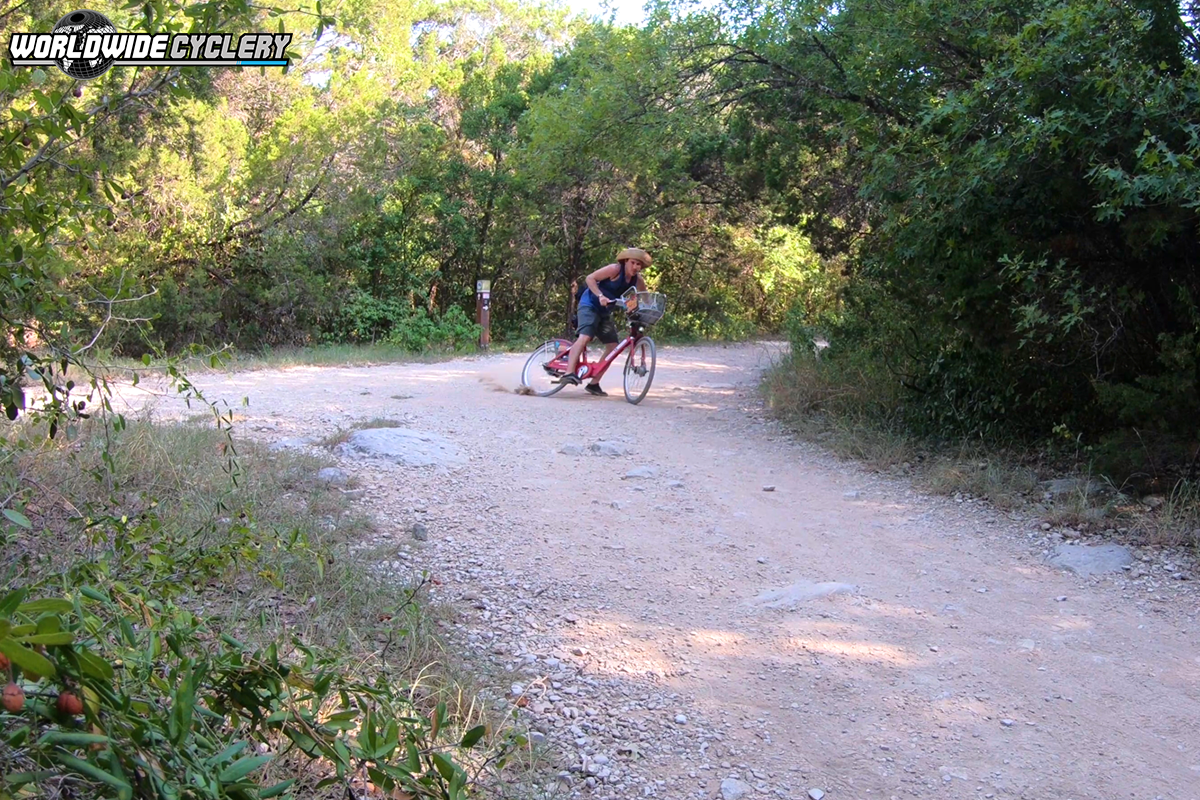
x: 597, y: 323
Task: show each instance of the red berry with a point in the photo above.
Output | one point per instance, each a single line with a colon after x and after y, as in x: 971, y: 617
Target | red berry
x: 13, y: 699
x: 69, y: 704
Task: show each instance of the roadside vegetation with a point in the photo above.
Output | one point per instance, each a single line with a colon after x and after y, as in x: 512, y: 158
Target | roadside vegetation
x: 1019, y: 254
x: 184, y: 619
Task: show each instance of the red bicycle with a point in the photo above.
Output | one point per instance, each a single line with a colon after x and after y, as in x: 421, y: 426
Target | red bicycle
x: 549, y: 362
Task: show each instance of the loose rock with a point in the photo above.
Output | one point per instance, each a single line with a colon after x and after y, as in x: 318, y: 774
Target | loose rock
x: 333, y: 476
x: 640, y: 472
x: 1071, y: 486
x: 799, y: 592
x: 411, y: 448
x: 733, y: 789
x: 1085, y: 560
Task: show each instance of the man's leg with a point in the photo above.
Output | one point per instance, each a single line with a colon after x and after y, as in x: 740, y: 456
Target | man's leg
x: 607, y: 334
x: 576, y: 349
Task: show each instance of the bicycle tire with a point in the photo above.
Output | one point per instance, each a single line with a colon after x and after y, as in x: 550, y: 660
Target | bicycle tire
x: 635, y: 396
x: 545, y: 352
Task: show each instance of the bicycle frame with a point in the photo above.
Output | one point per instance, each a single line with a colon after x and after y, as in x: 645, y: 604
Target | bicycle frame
x: 596, y: 371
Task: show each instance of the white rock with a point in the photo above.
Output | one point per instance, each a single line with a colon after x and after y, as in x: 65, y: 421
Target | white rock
x: 640, y: 472
x: 1087, y: 560
x: 333, y: 475
x: 799, y: 592
x: 815, y: 794
x: 412, y: 448
x: 681, y: 719
x: 733, y: 789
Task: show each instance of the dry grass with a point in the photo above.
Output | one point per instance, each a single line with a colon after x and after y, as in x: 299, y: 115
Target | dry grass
x: 1005, y: 485
x: 840, y: 412
x: 1173, y: 523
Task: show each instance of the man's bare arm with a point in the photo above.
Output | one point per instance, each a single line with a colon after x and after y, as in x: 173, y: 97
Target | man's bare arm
x: 604, y: 272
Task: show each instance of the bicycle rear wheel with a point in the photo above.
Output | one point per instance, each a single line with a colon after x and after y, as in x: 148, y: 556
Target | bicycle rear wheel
x: 537, y: 375
x: 639, y: 369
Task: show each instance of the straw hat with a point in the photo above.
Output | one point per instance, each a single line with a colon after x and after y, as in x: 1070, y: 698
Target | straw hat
x: 633, y: 252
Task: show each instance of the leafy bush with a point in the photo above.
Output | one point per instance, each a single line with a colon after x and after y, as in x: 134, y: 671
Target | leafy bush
x: 169, y: 707
x: 365, y: 318
x: 188, y: 601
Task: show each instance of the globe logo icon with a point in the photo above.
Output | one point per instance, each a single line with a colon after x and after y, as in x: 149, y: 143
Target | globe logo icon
x: 84, y: 22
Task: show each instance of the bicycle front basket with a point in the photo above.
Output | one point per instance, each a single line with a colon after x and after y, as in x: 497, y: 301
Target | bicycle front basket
x: 646, y: 308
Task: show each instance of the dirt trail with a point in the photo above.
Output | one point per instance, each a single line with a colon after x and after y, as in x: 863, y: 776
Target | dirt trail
x: 959, y: 666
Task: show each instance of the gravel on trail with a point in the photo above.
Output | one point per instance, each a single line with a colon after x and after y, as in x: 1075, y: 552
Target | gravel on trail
x: 685, y: 603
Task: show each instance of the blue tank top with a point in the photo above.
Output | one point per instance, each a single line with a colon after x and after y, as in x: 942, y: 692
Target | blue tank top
x: 612, y: 288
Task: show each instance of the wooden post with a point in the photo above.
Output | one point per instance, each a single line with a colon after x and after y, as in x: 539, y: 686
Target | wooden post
x: 483, y: 313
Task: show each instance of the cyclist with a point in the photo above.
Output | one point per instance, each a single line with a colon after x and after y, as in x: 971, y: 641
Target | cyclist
x: 595, y: 318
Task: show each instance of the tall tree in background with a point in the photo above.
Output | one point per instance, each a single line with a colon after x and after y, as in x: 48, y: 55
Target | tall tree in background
x: 1027, y: 176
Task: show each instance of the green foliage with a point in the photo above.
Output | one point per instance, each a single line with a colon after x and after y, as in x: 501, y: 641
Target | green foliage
x: 140, y: 611
x: 1015, y: 194
x: 172, y: 707
x: 367, y: 319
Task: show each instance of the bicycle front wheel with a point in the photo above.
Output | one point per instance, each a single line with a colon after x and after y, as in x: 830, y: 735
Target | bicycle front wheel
x: 639, y: 369
x: 544, y: 367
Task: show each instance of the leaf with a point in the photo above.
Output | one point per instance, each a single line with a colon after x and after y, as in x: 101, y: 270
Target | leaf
x: 457, y: 784
x: 227, y: 753
x: 11, y: 601
x: 65, y: 737
x: 93, y: 594
x: 52, y: 639
x: 472, y: 737
x: 20, y: 779
x: 232, y: 642
x: 444, y: 765
x: 51, y: 604
x: 93, y: 665
x: 18, y: 518
x: 92, y: 771
x: 277, y: 789
x: 26, y: 659
x: 241, y: 768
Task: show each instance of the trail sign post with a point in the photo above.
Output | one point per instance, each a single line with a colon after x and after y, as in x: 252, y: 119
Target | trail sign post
x: 483, y: 314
